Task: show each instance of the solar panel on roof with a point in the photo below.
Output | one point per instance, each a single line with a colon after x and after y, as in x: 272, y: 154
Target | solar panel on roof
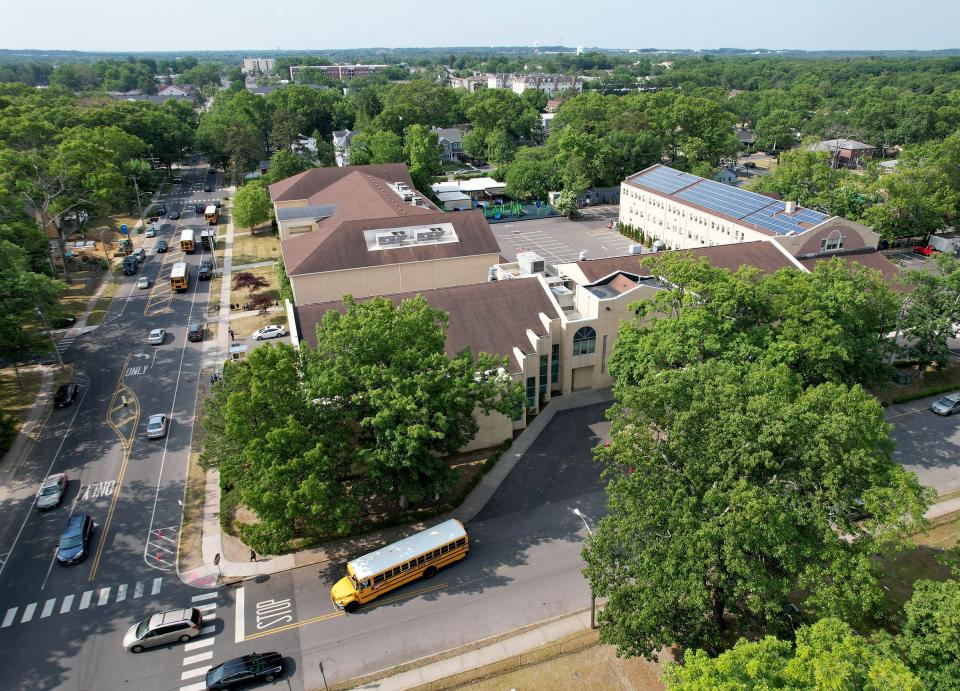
x: 725, y: 199
x: 666, y: 180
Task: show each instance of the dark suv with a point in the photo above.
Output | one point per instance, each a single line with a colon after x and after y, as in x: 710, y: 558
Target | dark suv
x: 66, y: 395
x: 241, y: 671
x: 195, y: 332
x: 206, y: 269
x: 75, y: 541
x: 130, y: 265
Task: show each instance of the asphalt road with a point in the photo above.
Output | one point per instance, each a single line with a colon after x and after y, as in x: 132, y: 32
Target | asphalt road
x: 60, y: 627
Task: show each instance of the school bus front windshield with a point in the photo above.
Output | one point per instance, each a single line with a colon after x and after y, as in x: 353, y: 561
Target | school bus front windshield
x: 418, y: 556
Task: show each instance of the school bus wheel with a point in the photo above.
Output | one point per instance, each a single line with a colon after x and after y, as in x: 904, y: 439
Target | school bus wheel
x: 430, y: 572
x: 351, y: 606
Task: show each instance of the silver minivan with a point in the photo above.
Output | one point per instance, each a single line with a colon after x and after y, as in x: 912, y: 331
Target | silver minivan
x: 161, y: 629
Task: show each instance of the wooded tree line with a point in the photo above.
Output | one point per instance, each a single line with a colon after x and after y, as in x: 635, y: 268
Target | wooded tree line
x: 748, y: 470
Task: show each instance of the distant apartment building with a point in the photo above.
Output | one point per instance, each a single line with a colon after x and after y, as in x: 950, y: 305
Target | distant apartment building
x: 338, y: 71
x: 548, y: 83
x: 471, y: 84
x: 259, y: 66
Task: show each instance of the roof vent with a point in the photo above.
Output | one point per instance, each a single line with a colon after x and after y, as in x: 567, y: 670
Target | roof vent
x: 429, y: 235
x: 791, y: 207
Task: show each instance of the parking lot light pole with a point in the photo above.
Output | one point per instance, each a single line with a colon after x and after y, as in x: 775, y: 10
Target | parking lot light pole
x: 593, y: 597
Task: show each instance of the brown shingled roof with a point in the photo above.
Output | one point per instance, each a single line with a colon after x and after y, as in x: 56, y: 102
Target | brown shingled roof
x: 488, y: 317
x: 341, y: 246
x: 310, y: 182
x: 871, y: 260
x: 761, y: 254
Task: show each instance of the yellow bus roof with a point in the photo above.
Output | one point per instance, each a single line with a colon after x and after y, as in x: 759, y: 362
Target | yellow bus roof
x: 186, y: 234
x: 406, y: 549
x: 179, y: 270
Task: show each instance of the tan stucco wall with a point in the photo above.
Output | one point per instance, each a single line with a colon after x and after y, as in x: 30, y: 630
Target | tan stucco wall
x: 388, y: 280
x: 494, y: 429
x: 855, y: 236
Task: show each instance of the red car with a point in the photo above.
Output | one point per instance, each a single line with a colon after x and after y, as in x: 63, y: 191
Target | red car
x: 925, y: 250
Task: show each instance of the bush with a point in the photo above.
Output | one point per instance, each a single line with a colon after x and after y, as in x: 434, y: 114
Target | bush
x: 8, y: 431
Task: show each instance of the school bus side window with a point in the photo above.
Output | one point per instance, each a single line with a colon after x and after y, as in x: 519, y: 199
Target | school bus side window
x: 461, y: 542
x: 444, y: 549
x: 378, y: 579
x: 421, y: 560
x: 405, y: 567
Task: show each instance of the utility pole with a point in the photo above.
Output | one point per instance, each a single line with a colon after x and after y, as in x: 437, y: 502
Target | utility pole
x: 106, y: 256
x: 39, y: 315
x: 136, y: 187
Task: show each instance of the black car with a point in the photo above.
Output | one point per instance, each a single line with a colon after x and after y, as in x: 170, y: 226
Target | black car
x: 75, y: 541
x: 66, y: 395
x: 64, y: 321
x: 241, y: 671
x: 174, y: 215
x: 200, y: 208
x: 130, y: 265
x: 208, y: 188
x: 161, y: 210
x: 218, y: 203
x: 162, y: 246
x: 195, y: 332
x: 206, y: 269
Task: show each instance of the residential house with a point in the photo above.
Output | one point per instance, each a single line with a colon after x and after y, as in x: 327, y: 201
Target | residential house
x: 174, y: 91
x: 727, y: 175
x: 746, y: 136
x: 341, y: 146
x: 471, y: 84
x: 451, y: 143
x: 845, y: 153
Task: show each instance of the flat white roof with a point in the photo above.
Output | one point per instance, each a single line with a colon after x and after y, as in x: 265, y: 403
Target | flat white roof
x: 406, y: 549
x: 452, y: 196
x: 179, y: 270
x: 439, y: 187
x: 480, y: 184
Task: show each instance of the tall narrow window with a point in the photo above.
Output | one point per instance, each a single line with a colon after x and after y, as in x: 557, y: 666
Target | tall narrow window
x: 543, y: 376
x: 531, y: 392
x: 555, y: 363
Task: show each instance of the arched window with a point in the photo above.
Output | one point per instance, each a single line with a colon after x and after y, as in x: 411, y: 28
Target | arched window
x: 584, y: 341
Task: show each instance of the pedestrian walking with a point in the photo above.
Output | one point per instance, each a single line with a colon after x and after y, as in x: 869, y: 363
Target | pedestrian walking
x: 253, y: 555
x: 230, y: 331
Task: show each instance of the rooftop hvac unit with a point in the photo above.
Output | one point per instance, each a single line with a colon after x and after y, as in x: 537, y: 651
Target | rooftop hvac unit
x: 407, y: 197
x: 429, y: 235
x: 394, y: 237
x: 530, y: 262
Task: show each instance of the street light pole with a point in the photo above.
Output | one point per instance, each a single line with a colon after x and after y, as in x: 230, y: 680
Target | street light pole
x: 593, y: 597
x: 39, y: 315
x: 106, y: 256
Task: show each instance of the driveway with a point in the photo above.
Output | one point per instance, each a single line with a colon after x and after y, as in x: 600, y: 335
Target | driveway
x: 927, y: 444
x: 560, y: 240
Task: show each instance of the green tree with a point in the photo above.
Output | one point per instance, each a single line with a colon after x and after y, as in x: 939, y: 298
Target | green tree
x: 423, y: 150
x: 741, y: 492
x: 930, y: 636
x: 931, y: 313
x: 286, y: 128
x: 777, y: 130
x: 531, y: 174
x: 286, y: 163
x: 22, y: 289
x: 384, y: 370
x: 376, y: 146
x: 827, y: 654
x: 251, y: 205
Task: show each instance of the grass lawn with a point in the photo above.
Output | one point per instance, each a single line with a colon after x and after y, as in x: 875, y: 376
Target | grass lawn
x: 103, y: 304
x: 921, y: 563
x: 250, y: 249
x: 83, y: 285
x: 18, y: 402
x: 245, y: 326
x: 272, y: 290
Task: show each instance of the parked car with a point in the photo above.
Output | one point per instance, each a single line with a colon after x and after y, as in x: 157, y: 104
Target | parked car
x: 66, y: 395
x: 749, y: 164
x: 925, y: 250
x: 143, y: 282
x: 52, y: 491
x: 206, y: 269
x: 947, y: 405
x: 64, y: 321
x: 75, y: 541
x: 157, y: 426
x: 139, y: 254
x: 157, y: 337
x: 151, y: 231
x: 163, y: 628
x: 195, y: 332
x: 162, y: 246
x: 272, y: 331
x: 241, y: 671
x: 153, y: 219
x: 173, y: 215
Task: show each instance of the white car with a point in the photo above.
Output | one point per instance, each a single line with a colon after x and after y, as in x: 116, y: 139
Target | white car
x: 151, y: 231
x: 272, y: 331
x: 143, y: 282
x: 157, y: 337
x: 157, y: 426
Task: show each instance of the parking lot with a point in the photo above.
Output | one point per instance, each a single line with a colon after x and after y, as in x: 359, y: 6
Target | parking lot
x: 927, y: 444
x: 560, y: 240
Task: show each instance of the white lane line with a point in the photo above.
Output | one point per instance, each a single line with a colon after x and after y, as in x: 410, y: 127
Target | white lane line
x: 209, y: 616
x: 207, y: 607
x: 138, y: 590
x: 28, y: 612
x: 202, y: 643
x: 9, y: 617
x: 48, y: 608
x: 193, y: 673
x: 104, y: 596
x: 204, y: 596
x: 240, y: 605
x: 195, y: 687
x: 121, y: 592
x: 155, y: 588
x: 85, y: 599
x: 199, y: 657
x: 207, y: 629
x: 66, y: 604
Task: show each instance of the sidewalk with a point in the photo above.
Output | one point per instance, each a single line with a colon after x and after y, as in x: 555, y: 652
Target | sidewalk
x: 20, y: 449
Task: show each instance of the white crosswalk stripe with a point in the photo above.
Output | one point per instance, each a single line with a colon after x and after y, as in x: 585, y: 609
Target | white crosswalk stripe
x: 98, y: 597
x: 195, y: 687
x: 204, y: 596
x: 193, y: 673
x: 199, y: 657
x: 207, y: 607
x: 201, y: 643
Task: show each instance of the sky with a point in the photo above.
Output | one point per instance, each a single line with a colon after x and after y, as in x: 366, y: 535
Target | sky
x: 260, y: 27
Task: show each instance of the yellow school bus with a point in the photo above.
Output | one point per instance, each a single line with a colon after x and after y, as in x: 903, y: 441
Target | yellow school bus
x: 187, y: 242
x: 179, y: 276
x: 212, y: 214
x: 418, y: 556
